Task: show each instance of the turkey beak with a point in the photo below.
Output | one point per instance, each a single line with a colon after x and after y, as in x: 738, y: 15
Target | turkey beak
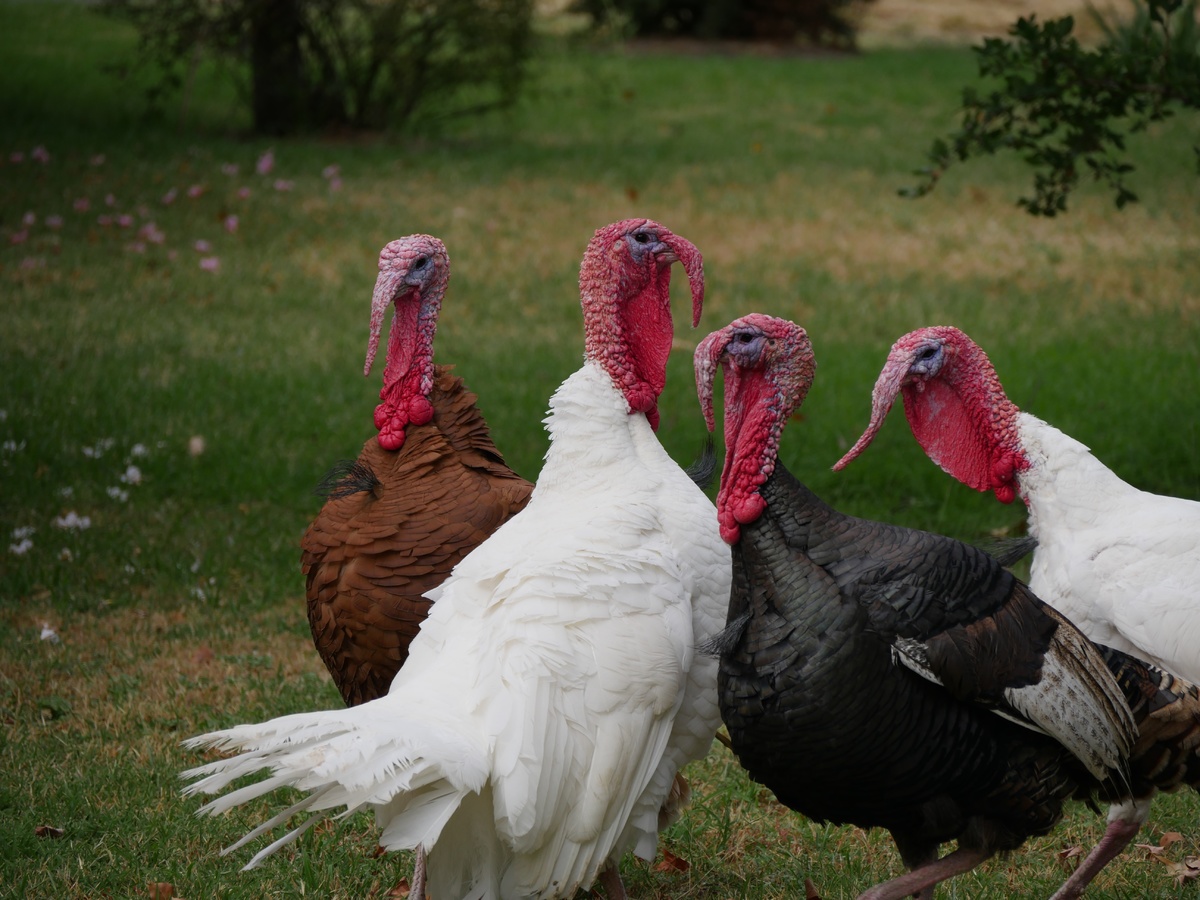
x: 887, y: 388
x: 706, y: 359
x: 693, y: 264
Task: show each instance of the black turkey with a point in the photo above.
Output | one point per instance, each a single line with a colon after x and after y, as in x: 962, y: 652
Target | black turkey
x: 887, y: 677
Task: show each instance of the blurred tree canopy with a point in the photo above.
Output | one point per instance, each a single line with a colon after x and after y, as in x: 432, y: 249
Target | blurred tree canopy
x: 1066, y: 110
x: 305, y: 64
x: 828, y: 23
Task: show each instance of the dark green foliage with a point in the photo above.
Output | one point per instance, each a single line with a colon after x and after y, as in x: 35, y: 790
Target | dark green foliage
x: 822, y: 22
x: 1067, y: 110
x: 305, y: 64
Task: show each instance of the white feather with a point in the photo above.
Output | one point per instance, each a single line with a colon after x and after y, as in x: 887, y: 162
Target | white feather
x: 1121, y: 563
x: 553, y: 692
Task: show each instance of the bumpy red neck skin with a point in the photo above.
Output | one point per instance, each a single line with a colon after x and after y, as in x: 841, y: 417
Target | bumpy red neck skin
x: 769, y: 367
x: 624, y: 283
x: 413, y: 273
x: 956, y: 408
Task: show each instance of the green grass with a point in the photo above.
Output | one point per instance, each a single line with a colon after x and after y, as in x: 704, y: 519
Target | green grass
x: 181, y: 607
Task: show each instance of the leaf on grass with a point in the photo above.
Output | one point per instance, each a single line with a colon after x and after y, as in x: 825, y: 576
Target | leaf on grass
x: 48, y: 831
x: 672, y: 863
x: 1183, y: 872
x: 810, y: 890
x: 1152, y: 850
x: 203, y: 655
x: 1169, y: 838
x: 1066, y: 854
x: 160, y: 890
x: 401, y: 890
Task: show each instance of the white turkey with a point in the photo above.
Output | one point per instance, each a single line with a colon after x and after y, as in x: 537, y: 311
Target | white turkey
x: 554, y: 690
x: 1121, y: 563
x: 894, y: 678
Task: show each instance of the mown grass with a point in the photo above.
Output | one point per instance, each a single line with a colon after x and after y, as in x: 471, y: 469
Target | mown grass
x: 181, y: 607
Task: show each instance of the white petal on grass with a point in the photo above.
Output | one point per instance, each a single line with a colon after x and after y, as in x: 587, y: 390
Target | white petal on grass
x: 118, y: 494
x: 21, y: 547
x: 23, y: 531
x: 49, y: 634
x: 133, y: 475
x: 138, y: 450
x: 65, y: 554
x: 73, y: 521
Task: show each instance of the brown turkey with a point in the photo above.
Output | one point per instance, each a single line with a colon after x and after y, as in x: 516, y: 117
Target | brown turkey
x: 423, y: 493
x: 887, y: 677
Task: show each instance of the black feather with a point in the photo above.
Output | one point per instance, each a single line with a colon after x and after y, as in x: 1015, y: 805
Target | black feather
x: 346, y: 478
x: 1010, y: 551
x: 704, y: 469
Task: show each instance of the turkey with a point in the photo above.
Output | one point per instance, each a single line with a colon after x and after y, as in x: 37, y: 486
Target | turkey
x: 886, y: 677
x: 554, y: 689
x: 421, y: 495
x: 1121, y: 563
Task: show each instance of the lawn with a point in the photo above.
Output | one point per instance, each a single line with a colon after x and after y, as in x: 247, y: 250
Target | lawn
x: 185, y: 318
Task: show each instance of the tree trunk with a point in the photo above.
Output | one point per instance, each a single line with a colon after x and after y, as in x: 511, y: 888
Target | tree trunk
x: 277, y: 66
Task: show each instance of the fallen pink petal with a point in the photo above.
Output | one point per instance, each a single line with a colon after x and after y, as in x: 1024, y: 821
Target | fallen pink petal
x: 195, y: 191
x: 243, y: 193
x: 82, y: 204
x: 125, y: 220
x: 40, y: 154
x: 282, y: 184
x: 265, y: 163
x: 169, y: 197
x: 231, y: 224
x: 202, y: 246
x: 110, y: 200
x: 150, y: 232
x: 335, y: 184
x: 19, y: 237
x: 29, y: 219
x: 55, y: 222
x: 331, y: 171
x: 210, y: 263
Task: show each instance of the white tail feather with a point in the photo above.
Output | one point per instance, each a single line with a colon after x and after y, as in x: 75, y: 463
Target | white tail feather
x: 415, y: 773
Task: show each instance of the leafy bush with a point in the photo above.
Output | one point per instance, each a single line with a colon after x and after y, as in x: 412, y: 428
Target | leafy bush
x: 823, y: 22
x: 304, y: 64
x: 1066, y: 109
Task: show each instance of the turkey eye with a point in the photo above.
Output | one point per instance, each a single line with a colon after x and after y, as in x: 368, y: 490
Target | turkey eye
x: 927, y: 353
x: 421, y: 262
x: 641, y: 237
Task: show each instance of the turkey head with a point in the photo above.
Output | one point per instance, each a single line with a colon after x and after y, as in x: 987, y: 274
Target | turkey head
x: 413, y: 273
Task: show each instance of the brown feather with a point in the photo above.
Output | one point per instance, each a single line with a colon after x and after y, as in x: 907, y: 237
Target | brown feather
x: 372, y: 552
